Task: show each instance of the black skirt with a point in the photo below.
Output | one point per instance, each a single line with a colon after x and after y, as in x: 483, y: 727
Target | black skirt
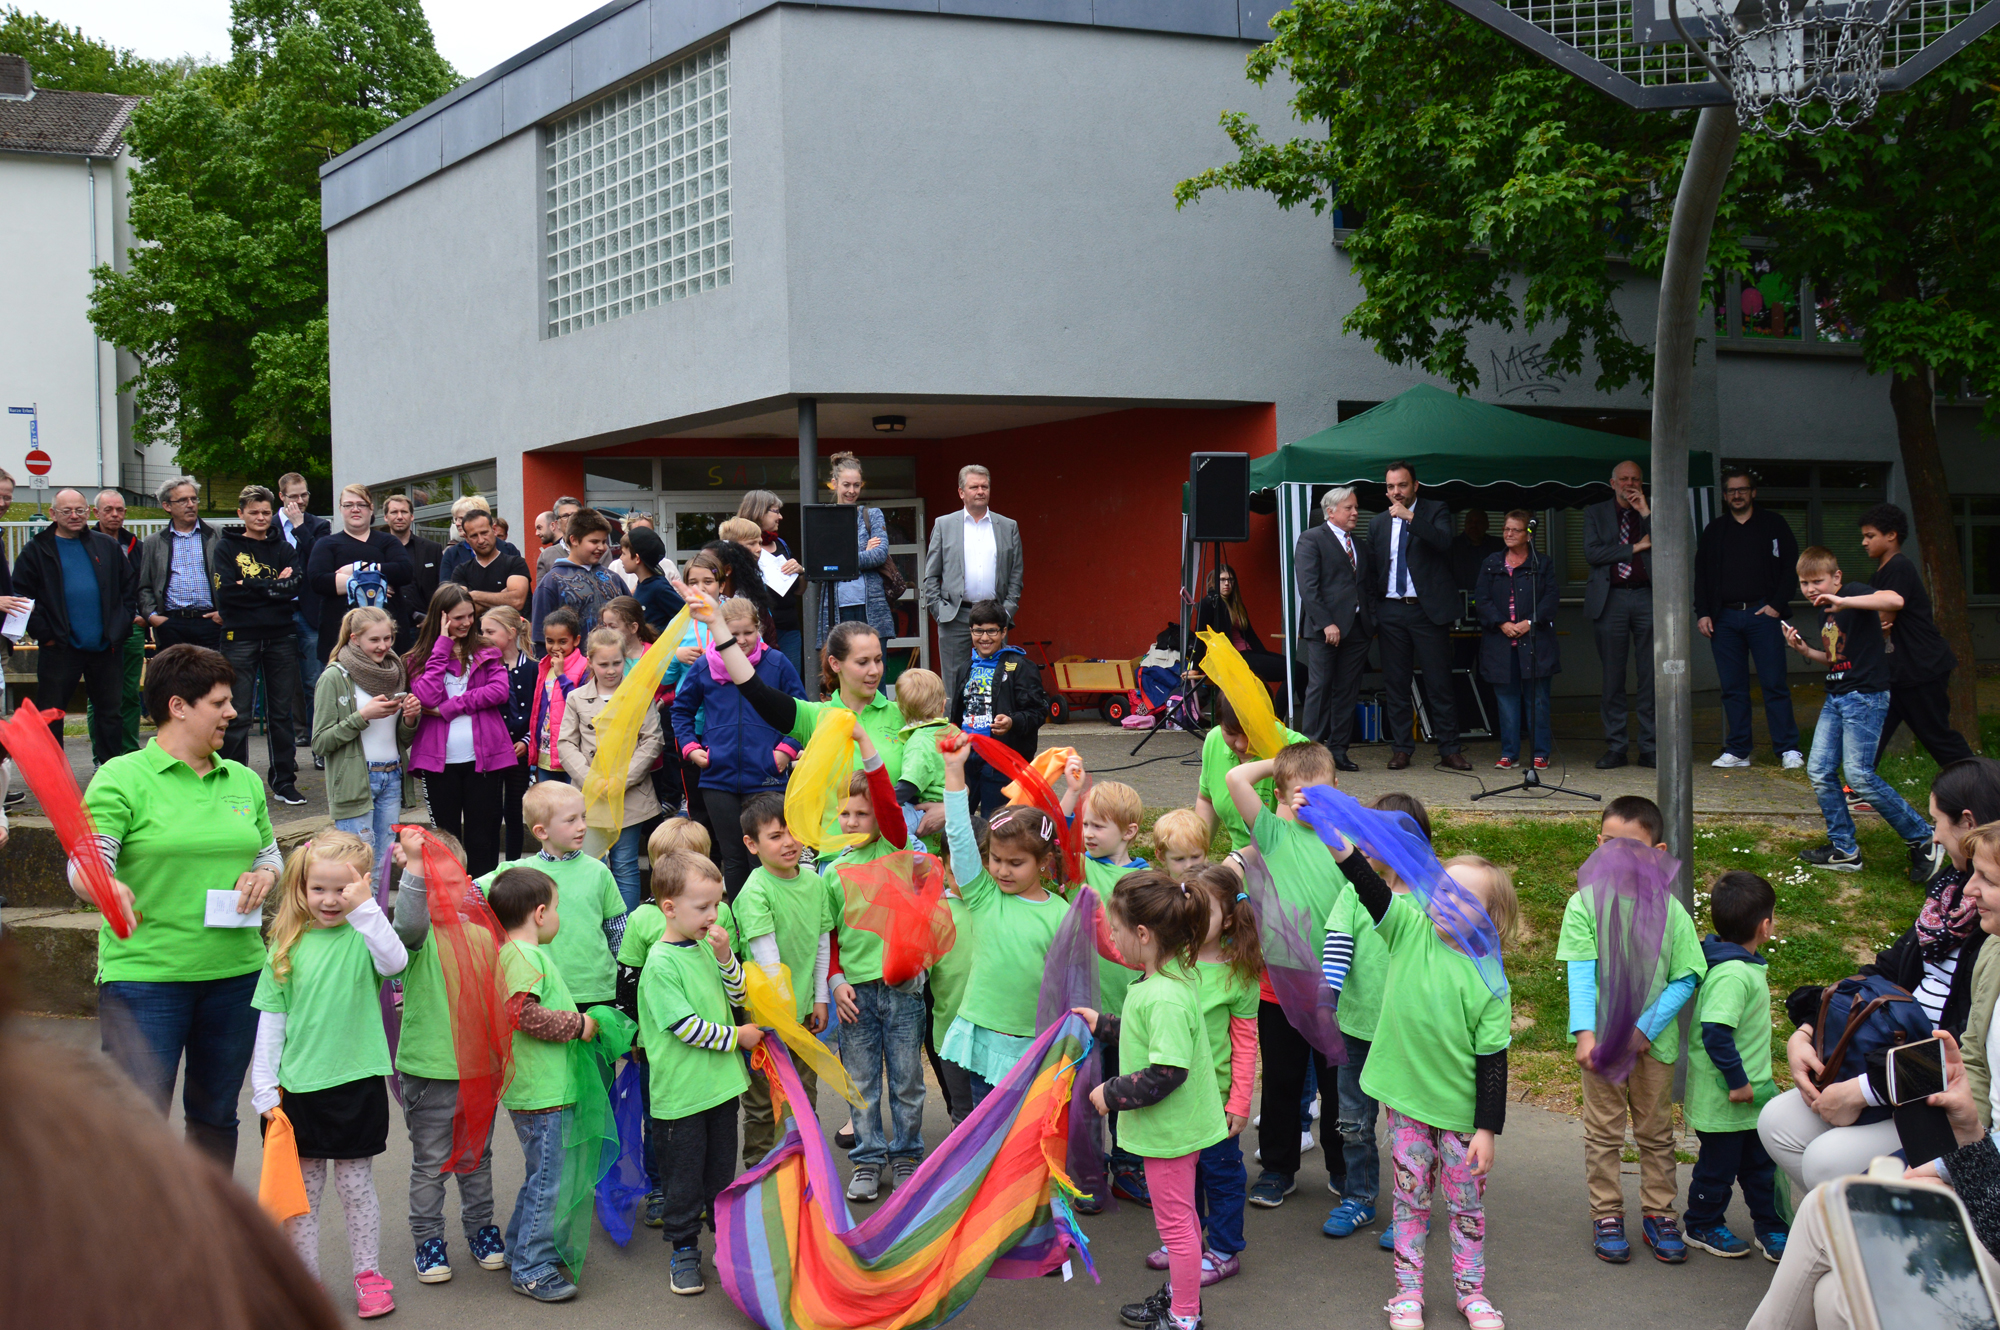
x: 348, y: 1121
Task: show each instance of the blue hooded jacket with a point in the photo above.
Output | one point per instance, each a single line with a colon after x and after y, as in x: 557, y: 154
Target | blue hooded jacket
x: 739, y: 741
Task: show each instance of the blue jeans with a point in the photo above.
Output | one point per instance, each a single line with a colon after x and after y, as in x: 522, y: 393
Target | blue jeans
x: 309, y: 662
x: 1509, y: 695
x: 377, y: 826
x: 1221, y: 1184
x: 147, y: 1027
x: 1356, y: 1125
x: 623, y: 856
x: 531, y: 1240
x: 1741, y: 637
x: 791, y: 644
x: 1849, y: 726
x: 981, y: 1087
x: 889, y: 1029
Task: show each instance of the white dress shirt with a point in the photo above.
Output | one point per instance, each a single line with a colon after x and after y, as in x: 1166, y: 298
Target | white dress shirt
x: 1399, y: 571
x: 1346, y: 541
x: 982, y: 558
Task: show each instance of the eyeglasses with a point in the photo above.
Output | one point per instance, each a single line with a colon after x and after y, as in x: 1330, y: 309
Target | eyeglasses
x: 356, y: 506
x: 185, y: 498
x: 69, y: 512
x: 988, y: 630
x: 1739, y: 489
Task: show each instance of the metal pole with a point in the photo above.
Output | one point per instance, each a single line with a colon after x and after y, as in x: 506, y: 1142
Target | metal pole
x: 809, y: 599
x: 1707, y: 170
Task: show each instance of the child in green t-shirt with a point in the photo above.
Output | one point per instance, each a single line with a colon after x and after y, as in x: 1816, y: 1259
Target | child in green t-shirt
x: 782, y: 918
x: 427, y: 1068
x: 1646, y: 1093
x: 1166, y: 1089
x: 1308, y: 880
x: 920, y: 784
x: 1729, y: 1073
x: 944, y: 988
x: 544, y: 1017
x: 1227, y: 975
x: 321, y: 1053
x: 592, y: 908
x: 691, y: 980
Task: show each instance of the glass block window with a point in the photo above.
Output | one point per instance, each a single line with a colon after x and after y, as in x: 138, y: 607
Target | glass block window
x: 638, y: 195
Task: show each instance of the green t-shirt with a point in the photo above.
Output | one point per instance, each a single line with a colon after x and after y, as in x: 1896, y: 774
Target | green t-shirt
x: 1422, y: 1061
x: 923, y: 765
x: 586, y: 895
x: 860, y: 950
x: 1007, y: 962
x: 798, y: 912
x: 541, y: 1069
x: 884, y: 724
x: 1223, y: 994
x: 332, y: 1008
x: 180, y: 836
x: 1304, y: 872
x: 1217, y: 761
x: 1680, y: 954
x: 426, y: 1046
x: 646, y: 925
x: 1734, y: 994
x: 682, y: 980
x: 949, y: 975
x: 1360, y: 1007
x: 1163, y: 1026
x: 1112, y: 978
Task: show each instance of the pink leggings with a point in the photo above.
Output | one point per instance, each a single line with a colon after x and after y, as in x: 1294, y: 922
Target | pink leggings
x: 1426, y: 1158
x: 1171, y: 1182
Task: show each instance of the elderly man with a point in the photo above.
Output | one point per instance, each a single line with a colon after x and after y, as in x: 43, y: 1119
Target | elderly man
x: 1617, y: 540
x: 1409, y: 547
x: 974, y: 555
x: 556, y: 538
x: 177, y: 573
x: 86, y: 596
x: 109, y: 510
x: 1336, y: 621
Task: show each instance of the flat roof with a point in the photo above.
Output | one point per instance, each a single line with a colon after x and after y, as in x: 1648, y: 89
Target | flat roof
x: 613, y: 44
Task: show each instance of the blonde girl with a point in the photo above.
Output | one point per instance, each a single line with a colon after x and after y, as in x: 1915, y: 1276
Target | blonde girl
x: 321, y: 1053
x: 1228, y: 972
x: 504, y: 630
x: 364, y: 719
x: 604, y: 652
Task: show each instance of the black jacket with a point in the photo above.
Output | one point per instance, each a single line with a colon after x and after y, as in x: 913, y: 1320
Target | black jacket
x: 38, y: 575
x: 1497, y: 583
x: 311, y: 530
x: 1430, y: 557
x: 1334, y: 590
x: 1768, y: 539
x: 336, y: 550
x: 410, y: 603
x: 256, y: 602
x: 1017, y: 692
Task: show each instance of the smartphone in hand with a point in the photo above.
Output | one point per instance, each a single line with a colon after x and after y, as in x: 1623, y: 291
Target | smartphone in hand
x: 1905, y: 1257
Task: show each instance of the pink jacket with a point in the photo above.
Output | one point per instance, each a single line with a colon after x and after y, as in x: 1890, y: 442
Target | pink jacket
x: 483, y: 699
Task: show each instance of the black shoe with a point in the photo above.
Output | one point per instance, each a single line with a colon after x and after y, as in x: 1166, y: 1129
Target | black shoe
x: 1143, y: 1315
x: 1614, y: 758
x: 1342, y: 762
x: 1648, y: 760
x: 15, y: 798
x: 288, y: 794
x: 843, y: 1139
x: 319, y: 763
x: 1927, y: 861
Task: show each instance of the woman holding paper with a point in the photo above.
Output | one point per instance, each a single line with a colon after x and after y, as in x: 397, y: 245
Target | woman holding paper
x: 189, y: 841
x: 780, y: 569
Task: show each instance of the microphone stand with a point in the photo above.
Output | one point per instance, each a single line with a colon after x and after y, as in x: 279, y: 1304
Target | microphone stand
x: 1530, y: 778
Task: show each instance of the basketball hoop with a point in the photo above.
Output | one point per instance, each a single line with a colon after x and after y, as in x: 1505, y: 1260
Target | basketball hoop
x: 1783, y: 55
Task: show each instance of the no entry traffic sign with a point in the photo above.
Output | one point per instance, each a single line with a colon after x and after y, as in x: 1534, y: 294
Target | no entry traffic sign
x: 38, y: 462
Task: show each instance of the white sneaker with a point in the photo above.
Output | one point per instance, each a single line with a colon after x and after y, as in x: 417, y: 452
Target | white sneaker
x: 1305, y: 1142
x: 1732, y: 760
x: 1793, y: 759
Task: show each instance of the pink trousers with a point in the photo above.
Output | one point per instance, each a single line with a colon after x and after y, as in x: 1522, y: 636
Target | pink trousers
x: 1171, y: 1183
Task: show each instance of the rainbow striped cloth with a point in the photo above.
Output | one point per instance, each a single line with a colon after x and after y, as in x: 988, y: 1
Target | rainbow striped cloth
x: 991, y: 1200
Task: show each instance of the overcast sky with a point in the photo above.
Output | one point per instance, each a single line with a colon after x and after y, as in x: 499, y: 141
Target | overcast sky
x: 474, y: 35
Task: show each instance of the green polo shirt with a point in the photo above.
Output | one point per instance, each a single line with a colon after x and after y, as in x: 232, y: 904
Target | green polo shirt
x: 882, y: 720
x: 179, y: 837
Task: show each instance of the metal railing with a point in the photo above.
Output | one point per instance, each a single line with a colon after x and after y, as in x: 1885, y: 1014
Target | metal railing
x: 14, y: 535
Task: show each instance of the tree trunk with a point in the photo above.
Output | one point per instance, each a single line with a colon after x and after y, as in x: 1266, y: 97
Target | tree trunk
x: 1914, y: 402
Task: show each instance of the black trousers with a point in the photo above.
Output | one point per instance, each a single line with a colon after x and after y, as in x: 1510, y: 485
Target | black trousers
x: 1926, y: 709
x: 697, y: 1157
x: 1733, y: 1157
x: 513, y: 785
x: 1410, y: 642
x: 466, y: 802
x: 196, y: 632
x: 1333, y: 687
x: 1270, y: 667
x: 1286, y: 1055
x: 59, y: 667
x: 278, y: 659
x: 725, y: 811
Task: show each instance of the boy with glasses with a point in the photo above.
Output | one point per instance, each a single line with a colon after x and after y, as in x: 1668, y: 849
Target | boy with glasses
x: 1001, y: 697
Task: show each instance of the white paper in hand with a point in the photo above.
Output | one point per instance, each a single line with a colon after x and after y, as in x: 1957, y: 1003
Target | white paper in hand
x: 222, y: 912
x: 770, y: 565
x: 17, y: 623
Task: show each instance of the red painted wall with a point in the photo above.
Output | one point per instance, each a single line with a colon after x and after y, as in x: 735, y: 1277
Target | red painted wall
x: 1098, y: 500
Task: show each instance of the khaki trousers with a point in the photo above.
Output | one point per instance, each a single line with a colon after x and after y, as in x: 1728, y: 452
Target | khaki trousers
x: 1646, y: 1096
x: 761, y: 1132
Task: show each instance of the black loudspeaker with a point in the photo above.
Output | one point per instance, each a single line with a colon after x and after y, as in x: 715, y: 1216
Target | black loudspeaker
x: 831, y: 554
x: 1219, y: 484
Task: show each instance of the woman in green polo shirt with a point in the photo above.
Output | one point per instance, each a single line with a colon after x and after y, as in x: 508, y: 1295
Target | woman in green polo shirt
x: 1226, y: 748
x: 189, y: 841
x: 851, y: 675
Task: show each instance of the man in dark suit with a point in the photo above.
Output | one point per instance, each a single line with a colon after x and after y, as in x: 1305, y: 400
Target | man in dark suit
x: 1617, y: 543
x: 1336, y: 621
x: 1410, y: 558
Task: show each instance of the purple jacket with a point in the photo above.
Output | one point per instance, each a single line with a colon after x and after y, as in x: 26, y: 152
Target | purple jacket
x: 484, y: 700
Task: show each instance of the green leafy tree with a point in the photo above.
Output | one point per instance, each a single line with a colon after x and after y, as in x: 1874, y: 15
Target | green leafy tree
x: 1484, y: 186
x: 225, y: 305
x: 63, y: 57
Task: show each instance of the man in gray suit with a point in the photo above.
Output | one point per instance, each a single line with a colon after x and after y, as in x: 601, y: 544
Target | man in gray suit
x: 1617, y: 542
x: 974, y: 555
x: 1336, y: 621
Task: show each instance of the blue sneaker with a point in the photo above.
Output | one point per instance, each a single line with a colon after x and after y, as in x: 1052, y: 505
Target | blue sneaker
x: 1090, y: 1203
x: 489, y: 1249
x: 1663, y: 1235
x: 685, y: 1274
x: 1772, y: 1245
x: 551, y: 1287
x: 1387, y: 1242
x: 656, y: 1209
x: 1129, y: 1184
x: 1717, y: 1240
x: 432, y: 1267
x: 1607, y: 1240
x: 1271, y: 1189
x: 1346, y: 1217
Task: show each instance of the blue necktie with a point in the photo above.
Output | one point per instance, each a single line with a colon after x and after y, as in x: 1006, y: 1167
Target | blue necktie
x: 1402, y: 558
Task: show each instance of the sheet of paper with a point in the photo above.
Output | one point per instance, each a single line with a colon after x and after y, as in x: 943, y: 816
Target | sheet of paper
x: 17, y: 623
x: 222, y: 912
x: 768, y: 564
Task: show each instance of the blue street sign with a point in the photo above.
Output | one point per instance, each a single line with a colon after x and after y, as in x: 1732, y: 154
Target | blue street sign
x: 20, y: 410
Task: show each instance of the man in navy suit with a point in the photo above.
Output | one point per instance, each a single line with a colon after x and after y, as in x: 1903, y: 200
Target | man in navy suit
x: 1411, y: 549
x: 1336, y: 621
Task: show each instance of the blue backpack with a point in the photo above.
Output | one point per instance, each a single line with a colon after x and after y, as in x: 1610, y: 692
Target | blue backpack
x: 366, y: 588
x: 1861, y: 1016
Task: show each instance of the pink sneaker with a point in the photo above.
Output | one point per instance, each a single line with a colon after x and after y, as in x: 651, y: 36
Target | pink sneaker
x: 372, y: 1294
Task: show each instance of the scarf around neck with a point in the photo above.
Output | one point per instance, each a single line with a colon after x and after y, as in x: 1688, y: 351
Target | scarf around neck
x: 375, y: 679
x: 1948, y: 918
x: 717, y: 671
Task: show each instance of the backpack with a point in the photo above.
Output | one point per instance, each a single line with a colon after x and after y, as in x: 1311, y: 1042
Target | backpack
x: 1859, y: 1017
x: 367, y: 589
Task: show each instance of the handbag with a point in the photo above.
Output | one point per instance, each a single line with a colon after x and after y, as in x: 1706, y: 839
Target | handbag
x: 893, y: 582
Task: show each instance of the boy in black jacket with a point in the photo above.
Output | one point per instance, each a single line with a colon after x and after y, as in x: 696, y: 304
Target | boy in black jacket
x: 1002, y: 697
x: 257, y: 579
